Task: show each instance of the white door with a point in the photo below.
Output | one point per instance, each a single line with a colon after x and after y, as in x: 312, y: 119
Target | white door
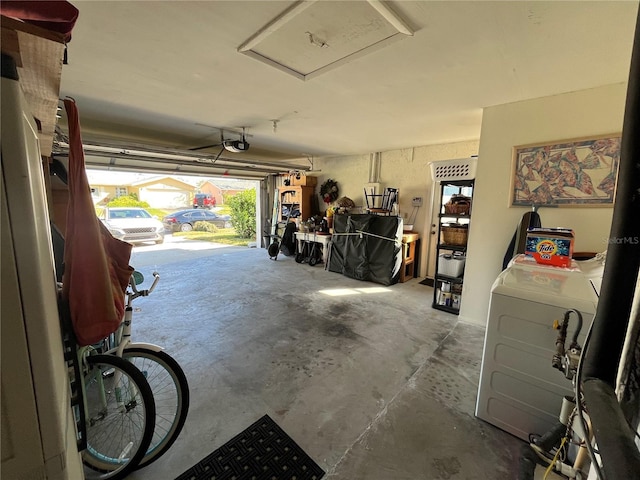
x: 165, y: 198
x: 432, y: 231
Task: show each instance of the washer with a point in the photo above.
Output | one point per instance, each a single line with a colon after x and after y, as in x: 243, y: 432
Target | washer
x: 520, y: 392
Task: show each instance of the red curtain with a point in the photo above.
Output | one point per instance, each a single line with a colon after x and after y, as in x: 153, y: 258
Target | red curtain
x: 96, y: 271
x: 54, y: 15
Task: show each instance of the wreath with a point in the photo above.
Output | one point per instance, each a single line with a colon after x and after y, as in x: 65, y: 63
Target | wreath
x: 329, y: 191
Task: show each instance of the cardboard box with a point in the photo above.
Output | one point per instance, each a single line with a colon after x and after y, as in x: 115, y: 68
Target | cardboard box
x: 550, y: 246
x: 304, y: 180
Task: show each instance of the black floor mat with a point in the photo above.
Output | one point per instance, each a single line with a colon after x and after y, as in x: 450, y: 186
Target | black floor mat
x: 261, y: 452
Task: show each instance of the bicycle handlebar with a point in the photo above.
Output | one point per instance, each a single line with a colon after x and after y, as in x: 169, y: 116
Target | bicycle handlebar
x: 143, y: 293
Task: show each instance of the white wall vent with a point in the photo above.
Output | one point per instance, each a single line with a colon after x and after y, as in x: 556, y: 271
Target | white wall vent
x: 459, y: 169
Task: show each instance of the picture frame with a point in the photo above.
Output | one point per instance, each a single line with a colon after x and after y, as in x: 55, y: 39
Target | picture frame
x: 579, y: 172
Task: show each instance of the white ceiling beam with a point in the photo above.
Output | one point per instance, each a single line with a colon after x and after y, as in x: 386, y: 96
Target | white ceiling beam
x: 391, y: 17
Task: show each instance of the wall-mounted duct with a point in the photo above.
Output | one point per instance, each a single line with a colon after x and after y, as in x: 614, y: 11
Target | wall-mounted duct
x: 374, y: 167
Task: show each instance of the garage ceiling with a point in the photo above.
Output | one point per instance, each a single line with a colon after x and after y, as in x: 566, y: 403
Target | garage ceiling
x: 184, y: 75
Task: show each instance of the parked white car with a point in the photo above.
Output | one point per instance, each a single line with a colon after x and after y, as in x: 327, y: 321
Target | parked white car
x: 133, y: 225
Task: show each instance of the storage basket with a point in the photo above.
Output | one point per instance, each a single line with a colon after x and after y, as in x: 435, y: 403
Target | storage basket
x: 455, y: 235
x: 458, y: 205
x: 460, y: 208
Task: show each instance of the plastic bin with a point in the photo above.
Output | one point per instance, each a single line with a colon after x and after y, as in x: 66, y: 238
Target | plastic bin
x: 451, y: 265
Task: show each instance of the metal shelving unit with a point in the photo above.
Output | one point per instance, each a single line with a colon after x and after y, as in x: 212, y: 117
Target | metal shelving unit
x: 447, y: 291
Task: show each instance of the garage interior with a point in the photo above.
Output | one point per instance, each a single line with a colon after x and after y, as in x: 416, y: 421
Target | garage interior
x: 370, y: 380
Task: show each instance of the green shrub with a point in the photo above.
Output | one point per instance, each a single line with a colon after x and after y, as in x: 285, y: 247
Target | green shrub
x: 127, y: 201
x: 243, y: 212
x: 205, y: 227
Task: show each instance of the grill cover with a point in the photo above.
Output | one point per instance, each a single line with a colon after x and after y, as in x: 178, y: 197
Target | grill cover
x: 374, y: 255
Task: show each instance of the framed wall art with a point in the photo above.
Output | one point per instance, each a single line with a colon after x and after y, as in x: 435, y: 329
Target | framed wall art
x: 571, y: 173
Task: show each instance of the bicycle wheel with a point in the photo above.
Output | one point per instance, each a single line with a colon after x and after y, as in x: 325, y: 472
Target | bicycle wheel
x: 120, y: 417
x: 170, y: 392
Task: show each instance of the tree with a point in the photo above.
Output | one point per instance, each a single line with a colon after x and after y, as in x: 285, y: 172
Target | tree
x: 130, y: 200
x: 243, y: 213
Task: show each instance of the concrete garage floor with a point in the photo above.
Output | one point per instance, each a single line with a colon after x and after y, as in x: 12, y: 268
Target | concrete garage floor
x: 369, y: 380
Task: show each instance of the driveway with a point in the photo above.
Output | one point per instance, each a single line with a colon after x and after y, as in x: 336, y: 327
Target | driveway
x: 177, y: 249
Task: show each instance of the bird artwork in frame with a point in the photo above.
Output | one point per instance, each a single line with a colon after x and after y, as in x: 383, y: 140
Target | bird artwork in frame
x: 566, y: 173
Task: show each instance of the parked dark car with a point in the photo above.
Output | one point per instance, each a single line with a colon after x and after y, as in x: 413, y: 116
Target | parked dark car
x: 204, y: 200
x: 184, y: 220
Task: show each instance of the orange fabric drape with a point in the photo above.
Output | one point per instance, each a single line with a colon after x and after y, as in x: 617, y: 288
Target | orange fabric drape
x: 96, y: 271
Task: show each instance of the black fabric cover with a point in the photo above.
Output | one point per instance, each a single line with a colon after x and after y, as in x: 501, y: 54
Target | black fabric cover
x: 288, y: 245
x: 365, y: 257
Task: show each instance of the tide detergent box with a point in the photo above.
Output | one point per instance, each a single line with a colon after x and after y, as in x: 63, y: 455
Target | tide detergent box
x: 550, y: 246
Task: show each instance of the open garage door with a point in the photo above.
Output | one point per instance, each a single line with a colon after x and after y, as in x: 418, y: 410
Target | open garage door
x: 165, y: 198
x: 126, y: 156
x: 120, y: 155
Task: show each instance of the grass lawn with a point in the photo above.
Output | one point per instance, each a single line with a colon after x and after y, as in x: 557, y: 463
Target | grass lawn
x: 227, y: 236
x: 156, y: 212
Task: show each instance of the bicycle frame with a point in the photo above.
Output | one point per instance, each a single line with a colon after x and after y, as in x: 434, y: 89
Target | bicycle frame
x: 83, y: 353
x: 122, y: 337
x: 163, y: 374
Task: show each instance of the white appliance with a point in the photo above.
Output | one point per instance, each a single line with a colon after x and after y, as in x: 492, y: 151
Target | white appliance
x: 519, y: 390
x: 37, y: 423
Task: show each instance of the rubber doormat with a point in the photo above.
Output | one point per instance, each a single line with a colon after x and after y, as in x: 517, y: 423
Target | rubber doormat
x: 261, y: 452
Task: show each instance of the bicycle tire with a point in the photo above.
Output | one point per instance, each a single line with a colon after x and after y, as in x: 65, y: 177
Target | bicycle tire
x: 117, y: 440
x: 171, y: 394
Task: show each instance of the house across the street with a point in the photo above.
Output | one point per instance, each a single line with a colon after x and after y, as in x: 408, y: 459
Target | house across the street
x: 220, y: 189
x: 157, y: 191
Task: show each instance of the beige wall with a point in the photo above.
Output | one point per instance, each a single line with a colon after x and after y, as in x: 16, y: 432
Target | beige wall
x: 111, y: 190
x: 208, y: 187
x: 578, y: 114
x: 407, y: 169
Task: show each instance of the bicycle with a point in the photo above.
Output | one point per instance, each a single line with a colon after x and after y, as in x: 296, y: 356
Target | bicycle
x: 112, y: 403
x: 166, y: 378
x: 118, y: 410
